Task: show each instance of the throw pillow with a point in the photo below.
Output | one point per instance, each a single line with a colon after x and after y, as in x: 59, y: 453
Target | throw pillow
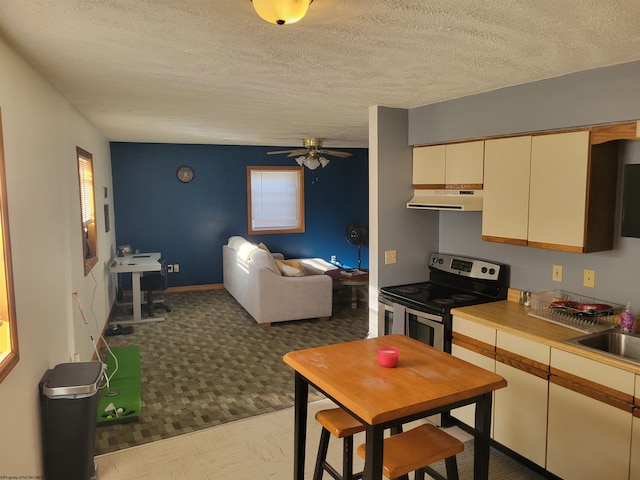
x: 263, y: 247
x: 291, y: 269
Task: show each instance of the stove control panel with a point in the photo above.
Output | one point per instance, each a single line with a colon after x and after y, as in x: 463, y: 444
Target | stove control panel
x: 465, y: 266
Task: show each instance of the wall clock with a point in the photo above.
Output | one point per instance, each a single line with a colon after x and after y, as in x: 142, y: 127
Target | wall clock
x: 185, y: 174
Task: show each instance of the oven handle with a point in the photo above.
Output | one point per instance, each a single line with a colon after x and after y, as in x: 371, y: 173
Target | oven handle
x: 426, y: 316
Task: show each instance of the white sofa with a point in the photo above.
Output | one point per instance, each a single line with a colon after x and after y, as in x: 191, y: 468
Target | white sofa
x: 252, y: 275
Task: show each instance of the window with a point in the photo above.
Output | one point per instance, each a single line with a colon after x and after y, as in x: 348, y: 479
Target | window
x: 87, y: 210
x: 275, y: 199
x: 8, y: 329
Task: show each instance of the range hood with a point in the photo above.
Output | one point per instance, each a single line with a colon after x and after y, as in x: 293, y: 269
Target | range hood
x: 456, y: 200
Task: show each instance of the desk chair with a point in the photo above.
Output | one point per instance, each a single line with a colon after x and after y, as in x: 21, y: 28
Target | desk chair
x: 153, y: 282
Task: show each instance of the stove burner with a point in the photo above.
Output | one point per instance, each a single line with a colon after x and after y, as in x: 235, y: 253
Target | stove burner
x: 463, y: 297
x: 443, y: 301
x: 408, y: 289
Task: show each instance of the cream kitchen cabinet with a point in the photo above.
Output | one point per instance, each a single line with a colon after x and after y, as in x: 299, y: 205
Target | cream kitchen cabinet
x: 520, y: 410
x: 505, y: 216
x: 634, y: 471
x: 571, y: 192
x: 590, y: 419
x: 455, y: 166
x: 475, y: 344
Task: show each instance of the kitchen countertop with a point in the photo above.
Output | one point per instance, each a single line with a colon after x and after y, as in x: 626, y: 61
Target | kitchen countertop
x: 510, y: 316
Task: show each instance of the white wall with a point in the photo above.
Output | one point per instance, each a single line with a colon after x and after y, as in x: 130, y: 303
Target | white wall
x: 392, y: 226
x: 41, y: 132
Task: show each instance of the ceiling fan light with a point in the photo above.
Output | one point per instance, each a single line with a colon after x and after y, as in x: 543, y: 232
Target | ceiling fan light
x: 281, y: 12
x: 312, y: 163
x: 300, y: 160
x: 324, y: 162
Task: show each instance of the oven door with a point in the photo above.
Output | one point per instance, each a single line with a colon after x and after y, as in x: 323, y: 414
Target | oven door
x: 426, y: 328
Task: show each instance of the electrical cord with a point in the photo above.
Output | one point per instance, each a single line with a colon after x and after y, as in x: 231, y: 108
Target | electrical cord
x: 107, y: 377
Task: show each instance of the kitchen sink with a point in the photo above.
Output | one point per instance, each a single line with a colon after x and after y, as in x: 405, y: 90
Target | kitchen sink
x: 613, y: 343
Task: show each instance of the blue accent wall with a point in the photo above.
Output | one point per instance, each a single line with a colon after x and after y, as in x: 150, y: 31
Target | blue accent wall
x: 190, y: 222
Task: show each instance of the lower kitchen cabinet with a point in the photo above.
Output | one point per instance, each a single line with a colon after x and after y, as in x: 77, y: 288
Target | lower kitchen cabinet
x: 473, y: 343
x: 590, y: 419
x: 520, y: 410
x: 634, y: 471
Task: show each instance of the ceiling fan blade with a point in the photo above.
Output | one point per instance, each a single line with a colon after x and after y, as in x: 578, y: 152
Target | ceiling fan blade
x: 294, y: 153
x: 281, y: 151
x: 336, y: 153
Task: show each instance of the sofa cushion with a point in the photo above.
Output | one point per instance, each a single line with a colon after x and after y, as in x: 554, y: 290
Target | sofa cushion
x: 264, y: 259
x: 290, y: 268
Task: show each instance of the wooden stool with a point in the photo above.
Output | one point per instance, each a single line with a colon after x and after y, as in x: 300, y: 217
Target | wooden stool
x: 340, y: 424
x: 417, y: 448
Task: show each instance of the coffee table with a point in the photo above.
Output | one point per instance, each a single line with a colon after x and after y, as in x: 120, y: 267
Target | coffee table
x: 343, y: 277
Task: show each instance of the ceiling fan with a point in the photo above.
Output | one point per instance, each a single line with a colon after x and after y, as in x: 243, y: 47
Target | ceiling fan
x: 312, y: 155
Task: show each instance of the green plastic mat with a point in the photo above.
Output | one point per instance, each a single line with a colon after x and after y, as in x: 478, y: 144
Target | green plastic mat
x: 120, y: 402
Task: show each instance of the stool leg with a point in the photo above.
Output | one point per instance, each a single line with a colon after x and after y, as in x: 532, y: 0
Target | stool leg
x: 452, y: 467
x: 347, y: 458
x: 322, y: 454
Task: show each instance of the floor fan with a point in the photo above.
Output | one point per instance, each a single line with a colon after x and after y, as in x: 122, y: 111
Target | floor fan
x: 356, y: 234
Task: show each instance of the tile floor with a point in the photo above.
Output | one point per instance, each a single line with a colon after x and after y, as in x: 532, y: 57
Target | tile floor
x: 259, y: 447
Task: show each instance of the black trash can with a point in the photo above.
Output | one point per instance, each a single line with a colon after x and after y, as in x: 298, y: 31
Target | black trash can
x: 68, y: 409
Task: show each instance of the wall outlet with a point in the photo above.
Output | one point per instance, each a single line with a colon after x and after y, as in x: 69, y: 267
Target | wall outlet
x: 169, y: 268
x: 589, y: 278
x: 390, y: 256
x: 557, y: 273
x: 176, y: 267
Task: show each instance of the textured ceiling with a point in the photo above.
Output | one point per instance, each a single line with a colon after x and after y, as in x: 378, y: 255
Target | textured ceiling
x: 211, y: 71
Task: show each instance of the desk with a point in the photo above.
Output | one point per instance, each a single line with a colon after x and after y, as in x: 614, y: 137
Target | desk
x: 341, y: 276
x: 426, y: 381
x: 135, y: 265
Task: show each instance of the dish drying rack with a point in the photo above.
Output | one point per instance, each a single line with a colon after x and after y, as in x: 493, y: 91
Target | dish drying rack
x: 573, y: 318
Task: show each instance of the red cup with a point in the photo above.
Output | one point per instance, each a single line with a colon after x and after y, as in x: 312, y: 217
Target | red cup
x: 388, y: 356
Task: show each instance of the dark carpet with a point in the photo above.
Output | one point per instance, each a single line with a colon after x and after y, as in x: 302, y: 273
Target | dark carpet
x: 210, y: 363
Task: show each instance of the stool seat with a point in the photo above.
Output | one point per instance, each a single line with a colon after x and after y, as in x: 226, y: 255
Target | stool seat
x: 340, y: 424
x: 416, y: 449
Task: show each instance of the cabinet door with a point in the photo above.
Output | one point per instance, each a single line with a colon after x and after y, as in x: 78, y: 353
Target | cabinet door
x: 587, y: 438
x: 634, y: 471
x: 505, y: 215
x: 465, y: 165
x: 429, y: 167
x: 558, y: 190
x: 473, y: 343
x: 520, y: 410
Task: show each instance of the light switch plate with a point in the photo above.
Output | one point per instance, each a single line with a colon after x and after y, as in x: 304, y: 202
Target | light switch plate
x: 390, y: 256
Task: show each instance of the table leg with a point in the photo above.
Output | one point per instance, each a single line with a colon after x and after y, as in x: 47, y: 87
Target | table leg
x: 137, y: 297
x: 374, y: 447
x: 354, y: 296
x: 300, y: 425
x: 482, y: 437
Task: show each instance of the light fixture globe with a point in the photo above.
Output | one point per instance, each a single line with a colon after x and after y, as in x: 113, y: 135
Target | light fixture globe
x: 281, y: 12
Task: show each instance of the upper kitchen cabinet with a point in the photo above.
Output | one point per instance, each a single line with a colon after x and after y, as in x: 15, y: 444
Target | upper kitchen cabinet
x: 572, y: 193
x: 505, y: 216
x: 555, y: 191
x: 456, y: 166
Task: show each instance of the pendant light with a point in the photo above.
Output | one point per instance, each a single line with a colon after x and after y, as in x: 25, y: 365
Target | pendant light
x: 281, y: 12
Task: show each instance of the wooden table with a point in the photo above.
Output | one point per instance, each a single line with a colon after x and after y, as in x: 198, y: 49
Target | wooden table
x: 427, y: 381
x: 342, y: 276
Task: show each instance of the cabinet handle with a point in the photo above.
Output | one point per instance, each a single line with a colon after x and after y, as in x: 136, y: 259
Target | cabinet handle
x: 474, y: 345
x: 520, y: 362
x: 594, y: 390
